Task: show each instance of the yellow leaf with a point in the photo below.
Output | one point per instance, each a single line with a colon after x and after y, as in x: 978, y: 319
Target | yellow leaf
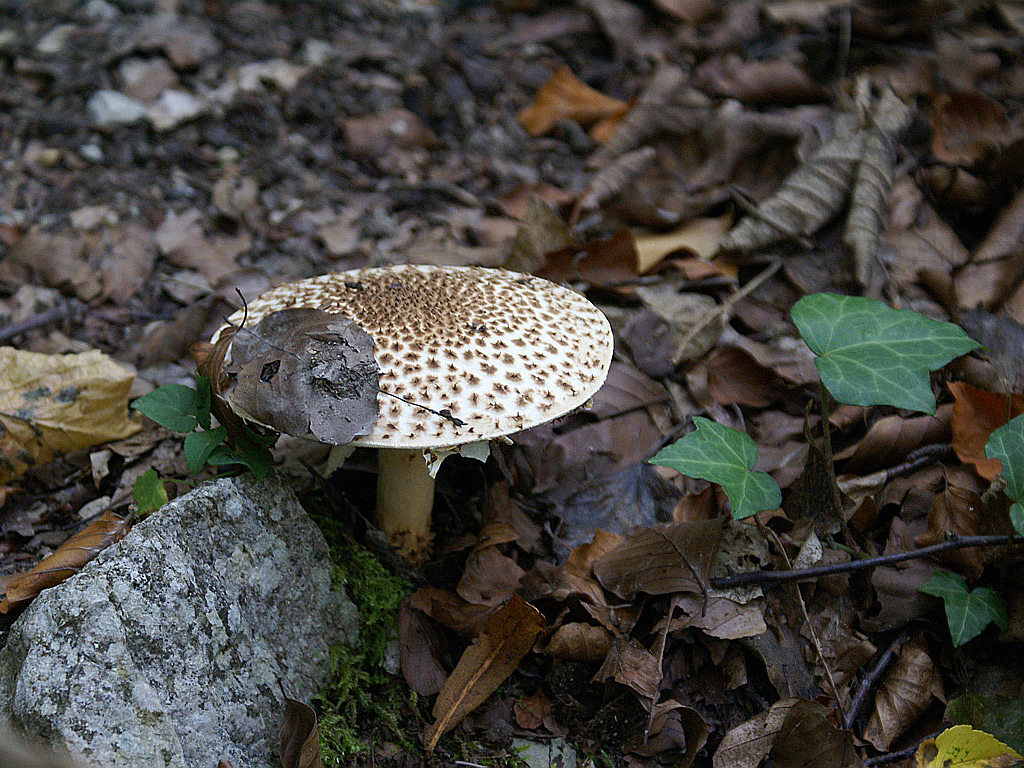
x: 699, y: 236
x: 52, y: 404
x: 963, y: 747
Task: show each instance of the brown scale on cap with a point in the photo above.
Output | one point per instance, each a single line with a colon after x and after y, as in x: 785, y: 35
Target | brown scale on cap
x: 419, y: 315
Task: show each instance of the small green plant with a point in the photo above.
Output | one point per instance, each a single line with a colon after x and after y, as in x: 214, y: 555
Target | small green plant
x: 148, y: 493
x: 866, y: 353
x: 186, y: 410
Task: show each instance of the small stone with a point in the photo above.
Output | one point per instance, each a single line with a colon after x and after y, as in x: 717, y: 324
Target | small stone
x: 316, y: 52
x: 545, y: 754
x: 146, y: 79
x: 54, y: 40
x: 172, y: 109
x: 92, y: 216
x: 109, y: 108
x: 91, y: 152
x: 99, y: 10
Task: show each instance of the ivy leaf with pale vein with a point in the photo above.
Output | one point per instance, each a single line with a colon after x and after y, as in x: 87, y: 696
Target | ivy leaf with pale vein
x: 871, y: 354
x: 1007, y: 445
x: 725, y: 456
x: 967, y: 612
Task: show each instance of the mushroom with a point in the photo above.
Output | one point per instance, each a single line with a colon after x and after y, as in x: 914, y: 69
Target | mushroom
x: 466, y: 355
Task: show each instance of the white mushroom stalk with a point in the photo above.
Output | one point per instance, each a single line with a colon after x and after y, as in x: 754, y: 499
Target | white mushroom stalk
x: 466, y: 355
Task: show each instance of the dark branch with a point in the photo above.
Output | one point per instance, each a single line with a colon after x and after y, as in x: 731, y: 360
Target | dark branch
x: 778, y: 577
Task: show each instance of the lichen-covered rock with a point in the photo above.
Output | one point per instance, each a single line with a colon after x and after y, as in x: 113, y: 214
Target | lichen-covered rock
x: 172, y: 647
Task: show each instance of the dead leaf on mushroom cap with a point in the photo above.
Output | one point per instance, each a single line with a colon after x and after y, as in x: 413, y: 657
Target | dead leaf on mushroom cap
x: 306, y: 372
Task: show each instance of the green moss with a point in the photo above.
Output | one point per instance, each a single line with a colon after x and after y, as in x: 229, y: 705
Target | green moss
x: 361, y: 697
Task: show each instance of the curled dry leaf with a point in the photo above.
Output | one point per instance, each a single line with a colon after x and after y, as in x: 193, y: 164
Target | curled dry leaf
x: 578, y: 641
x: 996, y: 263
x: 532, y: 711
x: 506, y: 637
x: 629, y: 663
x: 966, y: 127
x: 421, y: 646
x: 758, y: 82
x: 300, y: 740
x: 305, y: 372
x: 67, y: 560
x: 563, y: 96
x: 955, y: 511
x: 976, y: 414
x: 52, y: 404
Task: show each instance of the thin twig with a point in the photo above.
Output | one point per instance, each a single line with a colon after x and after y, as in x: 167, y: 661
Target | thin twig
x: 892, y: 757
x: 63, y: 311
x: 871, y: 680
x: 777, y: 577
x: 661, y: 671
x: 810, y: 626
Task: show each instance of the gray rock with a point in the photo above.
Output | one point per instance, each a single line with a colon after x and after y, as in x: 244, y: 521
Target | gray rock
x: 170, y: 649
x: 555, y: 753
x: 108, y: 108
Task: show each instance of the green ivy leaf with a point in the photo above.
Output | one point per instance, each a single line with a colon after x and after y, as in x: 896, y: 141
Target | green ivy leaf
x: 203, y: 401
x: 199, y: 446
x: 174, y: 407
x: 148, y: 492
x: 967, y: 612
x: 724, y: 456
x: 1007, y: 445
x: 871, y: 354
x: 249, y: 450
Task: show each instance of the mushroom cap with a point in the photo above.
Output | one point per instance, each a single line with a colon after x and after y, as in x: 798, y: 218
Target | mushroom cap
x: 498, y: 351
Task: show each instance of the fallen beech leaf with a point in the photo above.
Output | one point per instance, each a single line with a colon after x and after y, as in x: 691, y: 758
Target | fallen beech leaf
x: 976, y: 415
x: 955, y: 511
x: 422, y: 646
x: 758, y: 82
x: 300, y: 741
x: 564, y: 96
x: 905, y: 692
x: 51, y: 404
x: 666, y: 558
x: 578, y: 641
x: 67, y: 560
x: 794, y: 733
x: 995, y: 264
x: 698, y: 236
x: 608, y: 263
x: 531, y: 711
x: 507, y: 636
x: 966, y: 127
x: 629, y: 663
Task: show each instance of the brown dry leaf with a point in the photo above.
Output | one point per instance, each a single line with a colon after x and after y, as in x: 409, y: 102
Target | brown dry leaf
x: 515, y: 202
x: 609, y: 263
x: 676, y: 731
x: 506, y: 637
x: 723, y: 618
x: 698, y: 236
x: 541, y: 232
x: 903, y: 695
x: 305, y: 372
x: 563, y: 96
x: 629, y: 663
x: 582, y: 558
x: 56, y: 260
x: 532, y: 711
x: 450, y: 610
x: 300, y: 741
x: 546, y: 580
x: 126, y: 257
x: 734, y: 376
x: 52, y: 404
x: 489, y: 577
x: 996, y: 263
x: 182, y: 241
x: 421, y: 648
x: 666, y: 558
x: 891, y: 438
x: 809, y: 197
x: 758, y: 82
x: 966, y: 127
x: 577, y: 641
x: 691, y: 11
x: 67, y: 560
x: 374, y: 135
x: 615, y: 176
x: 955, y: 511
x: 976, y: 414
x: 794, y: 733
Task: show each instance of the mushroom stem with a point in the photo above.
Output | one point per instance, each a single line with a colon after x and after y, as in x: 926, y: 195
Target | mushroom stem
x: 405, y: 498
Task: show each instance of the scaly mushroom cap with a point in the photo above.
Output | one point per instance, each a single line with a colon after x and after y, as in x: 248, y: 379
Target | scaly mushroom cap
x: 498, y: 350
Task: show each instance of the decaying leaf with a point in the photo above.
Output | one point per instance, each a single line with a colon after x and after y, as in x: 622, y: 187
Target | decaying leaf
x: 52, y: 404
x: 300, y: 741
x: 563, y: 96
x: 506, y: 637
x: 629, y: 663
x: 67, y: 560
x: 541, y: 232
x: 662, y: 559
x: 305, y: 372
x: 794, y: 733
x: 422, y: 646
x: 903, y: 695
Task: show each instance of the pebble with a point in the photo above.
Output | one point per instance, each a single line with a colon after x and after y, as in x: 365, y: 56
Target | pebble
x: 173, y: 108
x: 109, y: 108
x: 91, y: 152
x: 53, y: 41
